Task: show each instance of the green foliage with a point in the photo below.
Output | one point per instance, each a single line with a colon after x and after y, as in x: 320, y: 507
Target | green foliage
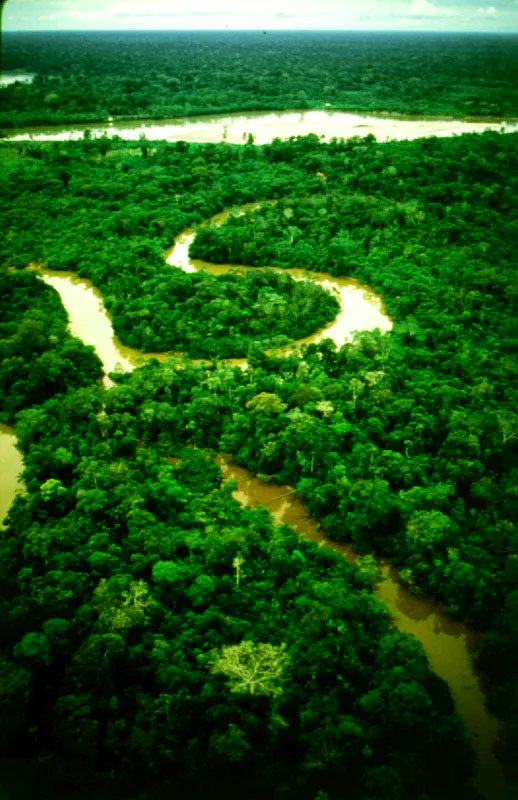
x: 168, y: 572
x: 231, y: 745
x: 252, y: 668
x: 175, y: 74
x: 154, y: 306
x: 51, y: 489
x: 33, y: 650
x: 265, y: 403
x: 207, y: 317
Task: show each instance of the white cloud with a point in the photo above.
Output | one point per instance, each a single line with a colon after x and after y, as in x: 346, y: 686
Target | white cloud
x: 422, y: 8
x: 404, y: 23
x: 436, y: 15
x: 92, y: 12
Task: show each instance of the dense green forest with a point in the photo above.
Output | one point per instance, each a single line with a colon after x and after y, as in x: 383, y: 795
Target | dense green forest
x: 128, y: 573
x: 82, y: 77
x: 221, y: 317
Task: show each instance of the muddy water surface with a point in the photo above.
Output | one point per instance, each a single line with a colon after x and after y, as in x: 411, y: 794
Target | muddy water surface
x: 89, y: 320
x: 360, y: 308
x: 10, y: 468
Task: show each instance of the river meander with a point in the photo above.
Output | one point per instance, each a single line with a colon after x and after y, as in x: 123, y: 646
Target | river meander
x: 447, y: 643
x: 360, y: 307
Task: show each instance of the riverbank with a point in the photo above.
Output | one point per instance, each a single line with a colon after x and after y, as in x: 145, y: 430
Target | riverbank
x: 360, y: 307
x: 10, y: 469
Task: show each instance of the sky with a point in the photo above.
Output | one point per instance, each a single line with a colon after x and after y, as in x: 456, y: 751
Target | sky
x: 413, y: 15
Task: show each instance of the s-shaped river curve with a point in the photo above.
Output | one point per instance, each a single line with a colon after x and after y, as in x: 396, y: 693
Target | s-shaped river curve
x: 447, y: 643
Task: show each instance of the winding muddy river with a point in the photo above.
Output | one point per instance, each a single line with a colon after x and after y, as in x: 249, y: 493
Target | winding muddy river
x: 360, y: 308
x: 235, y: 128
x: 448, y: 644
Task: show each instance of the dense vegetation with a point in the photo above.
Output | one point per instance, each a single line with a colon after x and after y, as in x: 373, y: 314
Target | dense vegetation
x: 221, y: 317
x: 332, y: 232
x: 85, y: 77
x: 425, y: 464
x: 38, y: 356
x: 405, y: 444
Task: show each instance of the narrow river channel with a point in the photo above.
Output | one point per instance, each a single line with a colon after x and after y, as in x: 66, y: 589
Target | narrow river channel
x: 447, y: 643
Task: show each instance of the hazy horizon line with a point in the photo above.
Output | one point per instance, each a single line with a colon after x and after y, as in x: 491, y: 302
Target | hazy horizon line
x: 266, y: 31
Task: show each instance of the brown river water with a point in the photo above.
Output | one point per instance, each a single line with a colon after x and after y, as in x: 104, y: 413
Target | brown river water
x: 447, y: 643
x: 265, y: 127
x: 10, y: 468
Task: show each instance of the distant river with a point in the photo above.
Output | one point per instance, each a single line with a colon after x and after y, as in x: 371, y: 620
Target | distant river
x: 265, y: 127
x: 8, y: 78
